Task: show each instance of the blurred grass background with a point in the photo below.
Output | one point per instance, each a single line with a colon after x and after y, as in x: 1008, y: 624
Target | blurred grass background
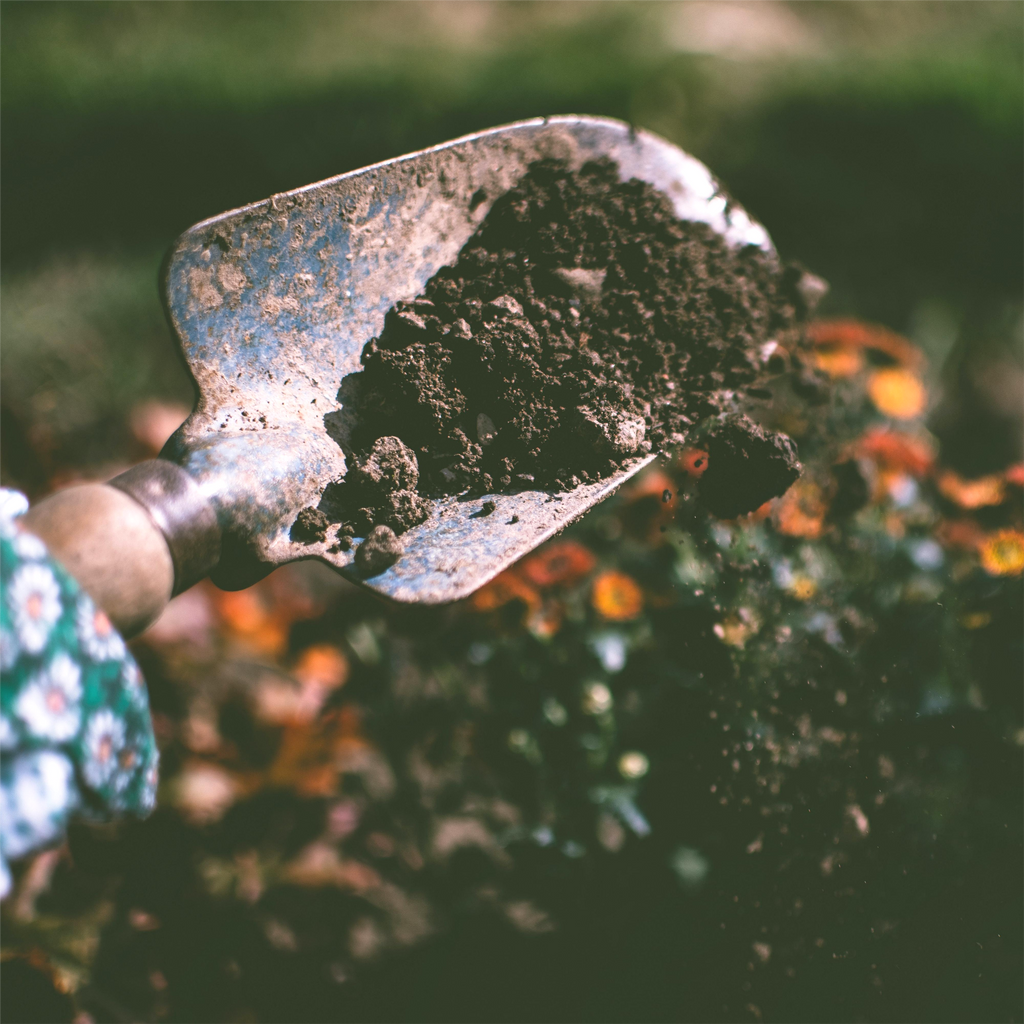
x: 880, y: 143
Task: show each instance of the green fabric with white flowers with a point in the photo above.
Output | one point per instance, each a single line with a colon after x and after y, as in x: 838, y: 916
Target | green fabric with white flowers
x: 75, y: 730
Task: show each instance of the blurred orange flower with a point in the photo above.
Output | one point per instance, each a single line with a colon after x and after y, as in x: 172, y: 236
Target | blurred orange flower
x: 563, y: 562
x: 307, y: 759
x: 1002, y: 553
x: 803, y: 588
x: 895, y: 450
x: 838, y: 362
x: 616, y: 596
x: 977, y: 493
x: 760, y: 513
x: 653, y: 483
x: 241, y: 611
x: 852, y: 335
x: 248, y: 618
x: 1015, y: 475
x: 303, y: 762
x: 322, y: 666
x: 800, y: 512
x: 897, y: 392
x: 509, y: 586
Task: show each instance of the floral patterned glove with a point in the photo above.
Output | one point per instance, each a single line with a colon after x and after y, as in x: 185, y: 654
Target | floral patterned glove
x: 75, y: 732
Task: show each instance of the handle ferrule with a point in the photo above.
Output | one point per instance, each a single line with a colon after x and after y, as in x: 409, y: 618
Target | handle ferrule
x: 133, y: 543
x: 180, y: 510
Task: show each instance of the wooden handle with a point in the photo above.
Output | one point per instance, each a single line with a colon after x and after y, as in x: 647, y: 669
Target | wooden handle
x: 112, y: 547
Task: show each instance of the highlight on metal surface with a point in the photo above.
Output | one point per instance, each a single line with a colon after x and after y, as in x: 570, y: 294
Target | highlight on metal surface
x: 272, y: 304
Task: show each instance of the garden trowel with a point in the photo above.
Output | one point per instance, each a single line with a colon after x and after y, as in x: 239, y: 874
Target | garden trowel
x: 271, y: 305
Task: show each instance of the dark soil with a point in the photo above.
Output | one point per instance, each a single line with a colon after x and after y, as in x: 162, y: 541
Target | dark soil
x: 381, y: 486
x: 380, y: 550
x: 582, y: 325
x: 310, y: 526
x: 747, y: 465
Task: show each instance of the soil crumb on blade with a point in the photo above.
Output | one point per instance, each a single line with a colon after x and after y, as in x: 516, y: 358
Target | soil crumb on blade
x: 582, y: 325
x: 310, y: 526
x: 378, y: 552
x: 383, y: 487
x: 747, y: 465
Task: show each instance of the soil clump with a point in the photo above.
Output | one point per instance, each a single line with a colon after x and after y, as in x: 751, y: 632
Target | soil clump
x: 582, y: 325
x: 380, y: 550
x: 747, y: 465
x: 311, y: 525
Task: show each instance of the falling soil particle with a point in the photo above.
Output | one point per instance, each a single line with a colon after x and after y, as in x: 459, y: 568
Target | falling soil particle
x: 380, y: 550
x: 747, y: 465
x: 582, y: 325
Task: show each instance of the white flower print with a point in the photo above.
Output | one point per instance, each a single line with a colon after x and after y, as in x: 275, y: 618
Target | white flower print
x: 48, y: 704
x: 12, y: 504
x: 147, y: 795
x: 8, y: 734
x: 8, y: 649
x: 35, y: 800
x: 28, y: 545
x: 96, y: 634
x: 104, y: 739
x: 131, y: 680
x: 33, y: 598
x: 128, y: 768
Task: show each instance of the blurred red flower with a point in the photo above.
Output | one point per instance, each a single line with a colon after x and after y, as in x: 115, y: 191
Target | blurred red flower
x: 853, y: 335
x: 693, y: 461
x: 509, y: 586
x: 896, y: 450
x: 800, y: 512
x: 564, y: 562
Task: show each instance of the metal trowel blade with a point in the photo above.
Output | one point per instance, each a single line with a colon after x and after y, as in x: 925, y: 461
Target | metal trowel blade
x: 272, y: 304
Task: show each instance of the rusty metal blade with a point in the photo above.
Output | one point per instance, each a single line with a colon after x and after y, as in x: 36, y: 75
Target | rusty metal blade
x: 272, y: 304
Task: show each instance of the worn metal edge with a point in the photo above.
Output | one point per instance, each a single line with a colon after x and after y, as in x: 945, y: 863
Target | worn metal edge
x: 434, y: 571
